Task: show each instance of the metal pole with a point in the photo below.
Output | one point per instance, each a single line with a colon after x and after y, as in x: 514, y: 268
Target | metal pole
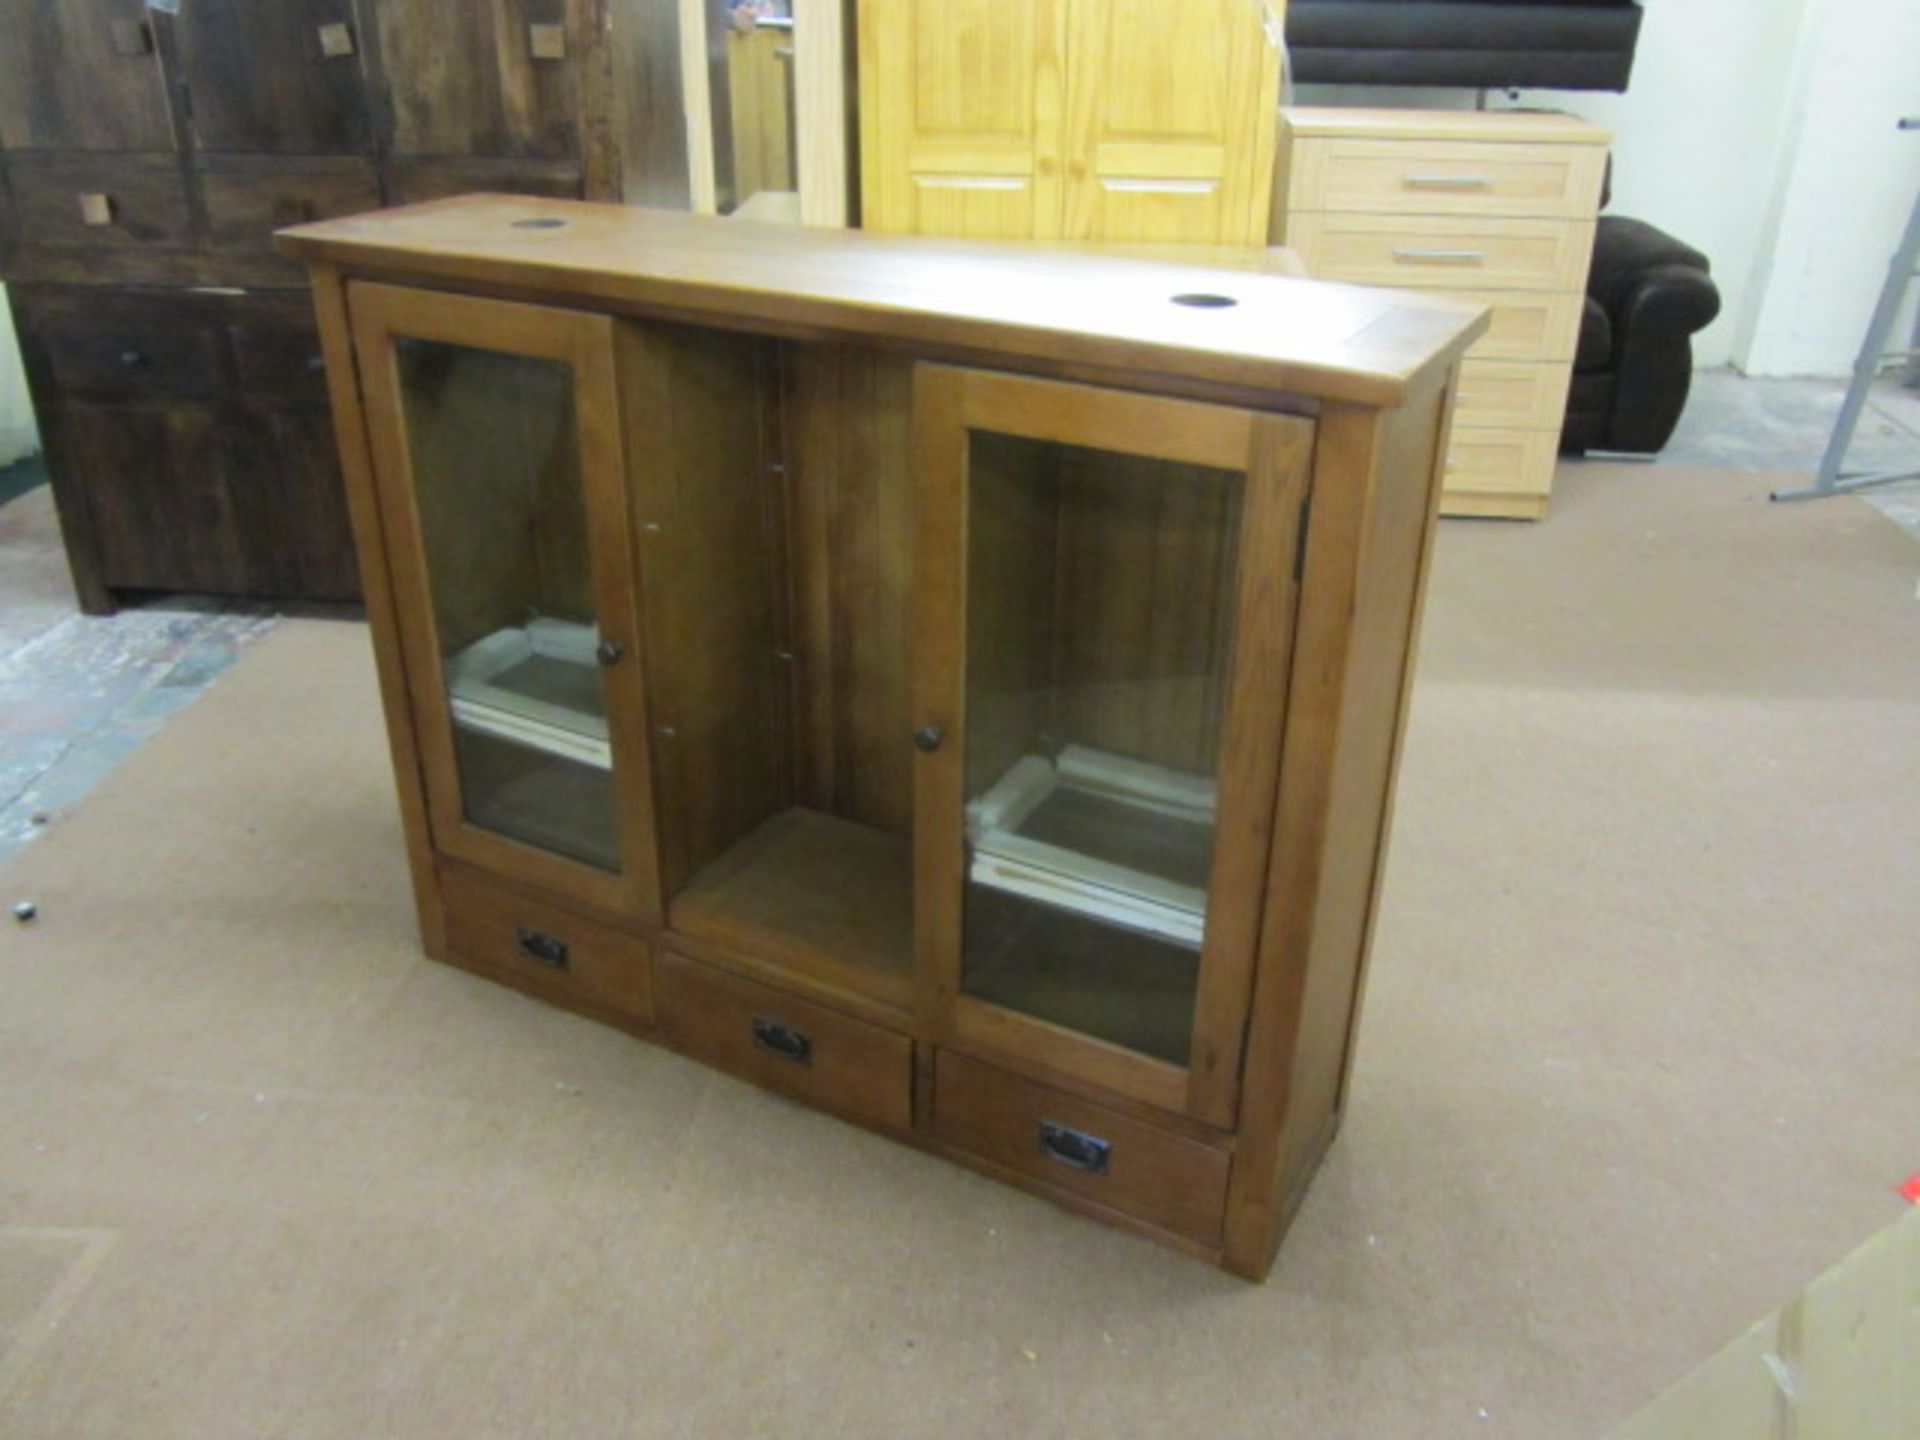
x: 1831, y: 478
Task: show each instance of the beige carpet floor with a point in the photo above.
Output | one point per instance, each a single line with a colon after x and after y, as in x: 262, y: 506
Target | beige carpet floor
x: 1640, y: 1058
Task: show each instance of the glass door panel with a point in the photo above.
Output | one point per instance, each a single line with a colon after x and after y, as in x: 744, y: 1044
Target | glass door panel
x: 496, y: 440
x: 1103, y: 626
x: 1100, y: 592
x: 495, y: 456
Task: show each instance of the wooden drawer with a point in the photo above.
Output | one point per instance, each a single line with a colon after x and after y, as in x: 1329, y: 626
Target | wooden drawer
x: 784, y: 1043
x: 98, y: 202
x: 129, y: 345
x: 1044, y: 1134
x: 1446, y: 177
x: 276, y: 345
x: 156, y: 482
x: 545, y: 949
x: 1437, y: 252
x: 250, y: 196
x: 417, y: 180
x: 1527, y: 325
x: 1512, y: 394
x: 1502, y: 462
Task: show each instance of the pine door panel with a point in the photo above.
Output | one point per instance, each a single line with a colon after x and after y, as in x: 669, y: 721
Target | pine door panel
x: 1170, y: 122
x: 961, y: 129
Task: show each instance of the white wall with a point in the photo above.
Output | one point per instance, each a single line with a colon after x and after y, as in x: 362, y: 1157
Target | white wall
x: 1700, y: 137
x: 1846, y: 188
x: 17, y: 435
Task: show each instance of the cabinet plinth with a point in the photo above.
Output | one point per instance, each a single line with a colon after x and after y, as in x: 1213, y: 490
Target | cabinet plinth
x: 958, y: 687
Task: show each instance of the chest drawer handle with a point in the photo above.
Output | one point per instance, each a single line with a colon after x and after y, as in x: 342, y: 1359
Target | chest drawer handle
x: 1449, y: 182
x: 548, y: 950
x: 132, y: 360
x: 336, y: 41
x: 1075, y: 1147
x: 1421, y: 255
x: 782, y: 1040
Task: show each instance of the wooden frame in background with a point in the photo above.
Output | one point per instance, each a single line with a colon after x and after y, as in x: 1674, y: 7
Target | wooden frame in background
x: 821, y: 116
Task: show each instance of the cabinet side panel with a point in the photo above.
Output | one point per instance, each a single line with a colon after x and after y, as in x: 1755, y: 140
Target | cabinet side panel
x: 850, y: 536
x: 693, y: 400
x: 363, y: 506
x: 1375, y: 487
x: 1380, y: 675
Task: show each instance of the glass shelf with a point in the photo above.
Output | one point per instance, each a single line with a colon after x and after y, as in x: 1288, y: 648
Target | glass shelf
x: 536, y: 684
x: 1112, y: 839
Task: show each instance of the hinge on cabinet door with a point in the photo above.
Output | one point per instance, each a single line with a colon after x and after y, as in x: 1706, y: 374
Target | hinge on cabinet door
x: 1300, y: 539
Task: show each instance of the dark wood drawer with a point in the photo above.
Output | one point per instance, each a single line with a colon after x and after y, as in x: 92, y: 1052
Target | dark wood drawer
x: 415, y: 180
x: 154, y: 484
x: 81, y: 75
x: 547, y: 950
x: 1047, y: 1135
x: 284, y: 78
x: 98, y: 202
x: 132, y: 346
x: 787, y: 1044
x: 276, y: 348
x: 251, y: 196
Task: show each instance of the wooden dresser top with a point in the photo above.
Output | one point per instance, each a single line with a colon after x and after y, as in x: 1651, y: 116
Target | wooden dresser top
x: 1534, y: 127
x: 972, y: 300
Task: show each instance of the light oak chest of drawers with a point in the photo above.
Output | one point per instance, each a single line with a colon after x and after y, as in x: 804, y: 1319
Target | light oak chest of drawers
x: 1496, y: 207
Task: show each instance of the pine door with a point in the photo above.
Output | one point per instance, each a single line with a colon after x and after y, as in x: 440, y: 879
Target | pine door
x: 961, y: 114
x: 1170, y: 121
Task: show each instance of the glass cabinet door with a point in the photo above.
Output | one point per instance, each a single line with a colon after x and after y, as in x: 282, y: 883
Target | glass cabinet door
x: 1105, y: 664
x: 496, y: 452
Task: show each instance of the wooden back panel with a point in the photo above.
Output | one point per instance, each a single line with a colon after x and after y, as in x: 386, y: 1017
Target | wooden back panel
x: 709, y: 550
x: 849, y: 531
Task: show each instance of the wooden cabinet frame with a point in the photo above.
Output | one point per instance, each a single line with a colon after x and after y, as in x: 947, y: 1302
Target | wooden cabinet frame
x: 1342, y: 396
x: 383, y: 315
x: 820, y: 109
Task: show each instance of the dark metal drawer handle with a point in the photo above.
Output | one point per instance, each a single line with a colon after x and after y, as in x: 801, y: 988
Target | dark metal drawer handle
x: 782, y: 1040
x: 133, y: 360
x: 547, y: 949
x: 1075, y: 1147
x: 316, y: 364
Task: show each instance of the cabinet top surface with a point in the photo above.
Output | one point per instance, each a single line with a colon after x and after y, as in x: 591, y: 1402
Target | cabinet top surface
x: 974, y: 300
x: 1536, y: 127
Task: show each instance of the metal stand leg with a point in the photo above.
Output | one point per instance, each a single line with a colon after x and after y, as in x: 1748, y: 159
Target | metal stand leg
x: 1831, y: 479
